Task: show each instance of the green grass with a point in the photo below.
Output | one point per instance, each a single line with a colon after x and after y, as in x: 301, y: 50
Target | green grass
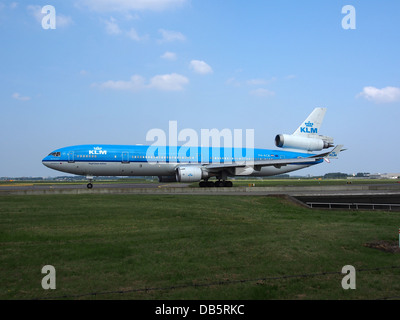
x: 103, y: 243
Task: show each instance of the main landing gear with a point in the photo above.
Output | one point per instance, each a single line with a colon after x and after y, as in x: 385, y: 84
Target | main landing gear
x: 218, y: 184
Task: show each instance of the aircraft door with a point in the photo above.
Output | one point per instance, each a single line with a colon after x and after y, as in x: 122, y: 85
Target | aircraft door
x: 125, y: 157
x: 71, y: 157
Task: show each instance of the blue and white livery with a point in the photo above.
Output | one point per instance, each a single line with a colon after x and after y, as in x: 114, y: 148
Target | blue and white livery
x: 199, y: 164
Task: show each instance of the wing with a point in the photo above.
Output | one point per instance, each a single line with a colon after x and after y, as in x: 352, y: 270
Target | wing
x: 277, y: 163
x: 261, y: 163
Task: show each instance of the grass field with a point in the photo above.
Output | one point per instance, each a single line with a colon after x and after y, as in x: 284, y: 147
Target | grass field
x: 191, y: 247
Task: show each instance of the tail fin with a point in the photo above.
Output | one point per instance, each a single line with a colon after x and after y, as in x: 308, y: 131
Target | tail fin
x: 312, y: 124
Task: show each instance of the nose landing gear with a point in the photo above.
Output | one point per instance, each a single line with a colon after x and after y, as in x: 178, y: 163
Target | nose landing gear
x: 89, y: 185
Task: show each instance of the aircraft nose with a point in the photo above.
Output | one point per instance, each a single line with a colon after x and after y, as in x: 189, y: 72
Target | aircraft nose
x: 44, y: 161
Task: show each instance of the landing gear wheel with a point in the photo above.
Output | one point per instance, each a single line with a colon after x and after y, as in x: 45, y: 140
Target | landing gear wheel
x: 89, y: 185
x: 219, y: 184
x: 206, y: 184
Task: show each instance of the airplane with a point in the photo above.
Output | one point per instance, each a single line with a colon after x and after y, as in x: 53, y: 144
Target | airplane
x: 174, y: 164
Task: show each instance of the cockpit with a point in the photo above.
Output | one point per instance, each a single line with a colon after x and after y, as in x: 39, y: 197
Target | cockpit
x: 55, y: 154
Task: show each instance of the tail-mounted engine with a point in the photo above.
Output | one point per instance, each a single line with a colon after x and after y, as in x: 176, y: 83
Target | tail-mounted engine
x: 303, y: 143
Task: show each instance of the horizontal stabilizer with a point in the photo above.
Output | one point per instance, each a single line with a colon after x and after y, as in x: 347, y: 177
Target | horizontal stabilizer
x: 335, y: 152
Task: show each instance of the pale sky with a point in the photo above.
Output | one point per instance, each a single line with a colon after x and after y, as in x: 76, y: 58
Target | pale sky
x: 114, y: 69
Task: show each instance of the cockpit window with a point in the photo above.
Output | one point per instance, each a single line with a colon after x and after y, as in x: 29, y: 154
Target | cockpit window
x: 55, y: 154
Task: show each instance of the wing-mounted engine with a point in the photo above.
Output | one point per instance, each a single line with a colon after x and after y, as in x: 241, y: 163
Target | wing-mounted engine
x: 314, y: 143
x: 190, y: 174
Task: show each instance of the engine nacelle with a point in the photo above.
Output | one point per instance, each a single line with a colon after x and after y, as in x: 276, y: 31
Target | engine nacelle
x: 189, y: 174
x: 167, y: 179
x: 303, y: 143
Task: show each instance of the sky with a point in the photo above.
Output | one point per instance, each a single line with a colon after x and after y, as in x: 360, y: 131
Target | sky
x: 109, y: 71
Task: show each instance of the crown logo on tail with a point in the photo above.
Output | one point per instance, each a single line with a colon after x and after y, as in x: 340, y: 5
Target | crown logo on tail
x: 309, y: 124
